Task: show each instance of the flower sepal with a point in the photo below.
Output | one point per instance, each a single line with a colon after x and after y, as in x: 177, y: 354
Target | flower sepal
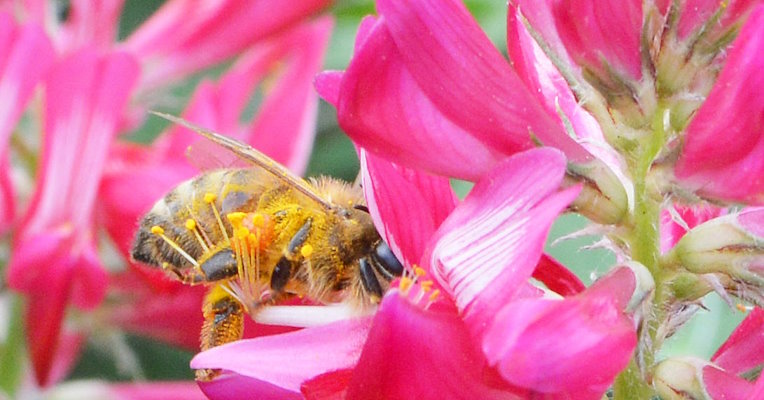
x: 732, y: 245
x: 603, y: 198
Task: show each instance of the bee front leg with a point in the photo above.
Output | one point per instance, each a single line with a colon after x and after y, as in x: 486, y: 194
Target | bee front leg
x: 223, y: 323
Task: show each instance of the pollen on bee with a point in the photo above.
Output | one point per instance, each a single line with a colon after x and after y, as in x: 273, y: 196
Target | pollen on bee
x: 236, y: 218
x: 242, y: 233
x: 258, y: 220
x: 209, y: 197
x: 190, y: 224
x: 306, y: 250
x: 157, y: 230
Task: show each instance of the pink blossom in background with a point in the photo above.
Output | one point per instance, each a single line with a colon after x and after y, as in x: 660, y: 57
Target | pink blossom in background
x: 25, y: 56
x: 85, y: 111
x: 182, y: 36
x: 55, y: 260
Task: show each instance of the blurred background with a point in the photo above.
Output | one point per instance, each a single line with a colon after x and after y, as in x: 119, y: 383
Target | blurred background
x: 132, y: 357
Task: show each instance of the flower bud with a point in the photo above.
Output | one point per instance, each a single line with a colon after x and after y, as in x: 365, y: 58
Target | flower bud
x: 732, y: 245
x: 603, y: 198
x: 680, y: 379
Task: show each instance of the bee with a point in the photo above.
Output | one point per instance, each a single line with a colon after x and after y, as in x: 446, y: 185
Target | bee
x: 259, y: 235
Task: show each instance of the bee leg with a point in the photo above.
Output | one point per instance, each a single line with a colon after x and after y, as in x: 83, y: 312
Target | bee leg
x: 192, y: 277
x: 290, y: 259
x: 223, y: 323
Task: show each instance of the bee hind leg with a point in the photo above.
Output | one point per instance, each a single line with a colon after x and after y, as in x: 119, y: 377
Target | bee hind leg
x: 223, y: 323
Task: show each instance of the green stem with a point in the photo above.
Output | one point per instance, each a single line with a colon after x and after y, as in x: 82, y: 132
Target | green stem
x: 644, y: 242
x: 12, y: 351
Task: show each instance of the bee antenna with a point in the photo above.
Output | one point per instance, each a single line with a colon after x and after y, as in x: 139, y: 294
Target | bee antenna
x: 361, y: 207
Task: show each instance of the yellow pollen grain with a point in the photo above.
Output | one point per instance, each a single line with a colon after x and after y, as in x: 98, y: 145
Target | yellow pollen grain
x: 405, y: 284
x: 427, y: 286
x: 235, y: 218
x: 157, y: 230
x: 306, y: 250
x: 190, y: 224
x: 242, y: 233
x: 434, y: 295
x: 741, y: 307
x: 419, y: 271
x: 258, y: 220
x: 209, y: 197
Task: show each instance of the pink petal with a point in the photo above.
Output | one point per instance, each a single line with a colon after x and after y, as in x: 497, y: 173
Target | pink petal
x: 183, y: 37
x: 722, y: 385
x: 420, y: 354
x: 752, y: 220
x: 723, y: 154
x: 327, y: 85
x: 744, y: 349
x: 414, y: 132
x: 285, y: 125
x: 329, y: 386
x: 557, y: 277
x: 92, y: 23
x: 407, y: 205
x: 156, y: 391
x: 691, y: 216
x: 231, y: 386
x: 286, y: 361
x: 694, y: 13
x: 551, y: 90
x: 597, y: 31
x: 574, y: 345
x: 464, y: 75
x: 25, y: 55
x: 489, y: 246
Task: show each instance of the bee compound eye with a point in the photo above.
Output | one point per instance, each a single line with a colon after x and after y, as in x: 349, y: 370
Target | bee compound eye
x: 385, y: 258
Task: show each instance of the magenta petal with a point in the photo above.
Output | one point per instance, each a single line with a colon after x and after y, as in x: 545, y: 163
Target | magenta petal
x: 287, y: 360
x: 182, y: 37
x: 420, y: 354
x: 723, y: 385
x: 557, y: 277
x: 694, y: 13
x: 565, y: 346
x: 600, y: 30
x: 383, y: 109
x: 327, y: 85
x: 25, y: 56
x: 407, y: 205
x: 744, y: 349
x: 723, y: 154
x: 92, y: 23
x: 232, y: 386
x: 551, y: 90
x: 329, y: 386
x: 691, y: 216
x: 465, y: 76
x: 489, y: 246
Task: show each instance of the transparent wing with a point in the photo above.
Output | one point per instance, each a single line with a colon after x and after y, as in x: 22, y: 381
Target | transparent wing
x: 252, y: 157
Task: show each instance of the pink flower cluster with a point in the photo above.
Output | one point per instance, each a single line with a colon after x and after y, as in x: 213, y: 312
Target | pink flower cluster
x: 89, y: 91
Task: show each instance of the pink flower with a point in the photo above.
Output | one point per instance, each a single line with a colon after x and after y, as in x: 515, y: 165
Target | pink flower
x: 433, y: 93
x: 26, y: 55
x: 725, y: 376
x: 460, y: 344
x: 723, y: 155
x: 186, y: 36
x: 54, y: 254
x: 677, y: 219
